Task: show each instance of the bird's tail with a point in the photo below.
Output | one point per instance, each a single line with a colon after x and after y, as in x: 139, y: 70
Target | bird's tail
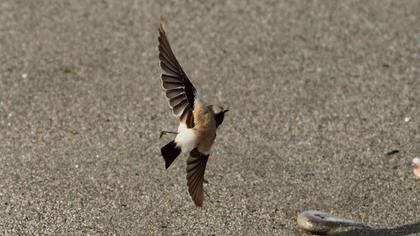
x: 170, y: 152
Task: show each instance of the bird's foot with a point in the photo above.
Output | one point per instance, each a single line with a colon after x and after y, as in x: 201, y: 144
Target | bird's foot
x: 163, y: 132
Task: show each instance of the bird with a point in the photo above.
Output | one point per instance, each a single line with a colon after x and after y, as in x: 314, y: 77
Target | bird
x: 198, y: 122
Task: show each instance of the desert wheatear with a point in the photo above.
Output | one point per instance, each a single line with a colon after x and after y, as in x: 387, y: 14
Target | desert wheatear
x: 198, y: 121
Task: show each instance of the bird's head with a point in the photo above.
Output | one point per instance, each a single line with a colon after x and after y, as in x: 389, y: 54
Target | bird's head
x: 219, y: 113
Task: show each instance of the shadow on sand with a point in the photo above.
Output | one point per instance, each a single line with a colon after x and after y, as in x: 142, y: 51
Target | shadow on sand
x: 397, y: 231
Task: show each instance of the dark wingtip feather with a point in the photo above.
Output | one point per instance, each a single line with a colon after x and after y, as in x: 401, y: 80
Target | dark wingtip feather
x: 169, y: 153
x: 174, y: 80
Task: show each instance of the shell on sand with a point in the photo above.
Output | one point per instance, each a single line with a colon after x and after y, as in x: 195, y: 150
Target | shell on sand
x: 319, y: 222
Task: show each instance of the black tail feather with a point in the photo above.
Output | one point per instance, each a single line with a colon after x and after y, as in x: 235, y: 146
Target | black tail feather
x: 170, y: 152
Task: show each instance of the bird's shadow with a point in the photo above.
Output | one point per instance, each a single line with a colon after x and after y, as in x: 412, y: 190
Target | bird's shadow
x: 397, y: 231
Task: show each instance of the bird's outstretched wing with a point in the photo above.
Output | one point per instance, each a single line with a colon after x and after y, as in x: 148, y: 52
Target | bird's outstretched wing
x: 178, y: 88
x: 196, y: 166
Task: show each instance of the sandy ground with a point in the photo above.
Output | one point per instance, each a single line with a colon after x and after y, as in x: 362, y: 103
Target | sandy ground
x: 319, y: 91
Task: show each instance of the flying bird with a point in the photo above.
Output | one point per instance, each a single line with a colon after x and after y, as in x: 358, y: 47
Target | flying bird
x: 198, y: 122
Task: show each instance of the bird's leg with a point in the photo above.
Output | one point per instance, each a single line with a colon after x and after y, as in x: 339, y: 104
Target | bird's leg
x: 163, y: 132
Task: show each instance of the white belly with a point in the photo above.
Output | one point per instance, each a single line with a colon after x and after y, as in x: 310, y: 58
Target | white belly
x: 186, y: 139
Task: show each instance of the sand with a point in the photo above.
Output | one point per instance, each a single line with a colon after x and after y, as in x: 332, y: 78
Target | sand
x: 318, y: 92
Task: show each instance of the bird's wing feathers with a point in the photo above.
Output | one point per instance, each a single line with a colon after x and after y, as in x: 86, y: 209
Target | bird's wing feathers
x: 196, y: 166
x: 179, y: 89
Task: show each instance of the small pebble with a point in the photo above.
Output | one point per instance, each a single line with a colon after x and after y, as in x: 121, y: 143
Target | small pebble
x: 24, y: 76
x: 416, y: 164
x: 407, y: 119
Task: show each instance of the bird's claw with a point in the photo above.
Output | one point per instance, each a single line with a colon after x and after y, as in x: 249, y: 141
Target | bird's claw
x: 163, y: 132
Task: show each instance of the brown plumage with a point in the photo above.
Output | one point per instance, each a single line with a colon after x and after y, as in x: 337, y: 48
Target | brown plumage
x: 205, y: 127
x: 198, y: 122
x: 178, y: 88
x: 196, y: 166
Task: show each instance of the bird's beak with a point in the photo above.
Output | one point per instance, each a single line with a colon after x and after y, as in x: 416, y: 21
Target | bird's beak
x: 225, y: 110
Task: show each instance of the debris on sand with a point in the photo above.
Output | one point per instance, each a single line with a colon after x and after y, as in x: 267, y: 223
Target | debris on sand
x: 318, y: 222
x: 392, y: 152
x: 416, y: 164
